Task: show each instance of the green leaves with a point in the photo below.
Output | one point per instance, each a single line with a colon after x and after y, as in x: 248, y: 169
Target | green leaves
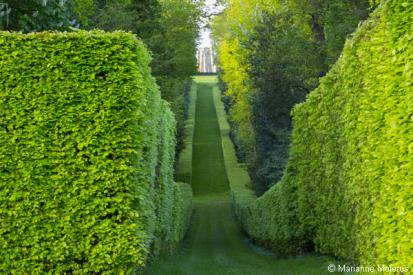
x: 78, y: 153
x: 271, y: 54
x: 35, y: 15
x: 347, y: 186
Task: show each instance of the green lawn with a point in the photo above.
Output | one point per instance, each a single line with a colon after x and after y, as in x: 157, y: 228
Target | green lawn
x: 214, y: 244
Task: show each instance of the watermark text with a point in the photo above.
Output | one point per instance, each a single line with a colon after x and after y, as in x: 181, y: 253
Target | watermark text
x: 366, y: 269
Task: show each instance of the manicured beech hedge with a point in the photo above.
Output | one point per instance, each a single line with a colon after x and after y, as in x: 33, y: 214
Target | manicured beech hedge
x: 353, y: 145
x: 184, y: 168
x: 182, y: 212
x: 80, y: 151
x: 347, y: 190
x: 173, y: 200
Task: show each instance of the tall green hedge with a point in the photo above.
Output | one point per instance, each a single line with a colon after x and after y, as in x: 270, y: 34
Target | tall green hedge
x: 184, y: 167
x: 355, y: 133
x: 173, y: 200
x: 79, y: 147
x: 347, y: 187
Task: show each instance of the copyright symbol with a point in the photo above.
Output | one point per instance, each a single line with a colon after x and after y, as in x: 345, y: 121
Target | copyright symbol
x: 331, y: 268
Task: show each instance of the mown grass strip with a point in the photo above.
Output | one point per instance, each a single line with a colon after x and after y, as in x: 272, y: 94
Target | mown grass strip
x: 238, y: 177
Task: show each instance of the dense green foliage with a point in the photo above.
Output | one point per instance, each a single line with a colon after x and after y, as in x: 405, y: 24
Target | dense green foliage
x: 347, y: 187
x: 174, y: 56
x: 272, y: 53
x: 355, y: 154
x: 86, y: 168
x: 184, y: 167
x: 182, y: 212
x: 38, y: 15
x: 168, y: 28
x: 173, y: 201
x: 139, y: 16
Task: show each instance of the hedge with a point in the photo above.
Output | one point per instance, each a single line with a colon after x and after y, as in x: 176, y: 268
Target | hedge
x: 79, y: 142
x: 265, y: 220
x: 355, y: 132
x: 182, y: 212
x: 184, y: 167
x: 174, y: 201
x: 347, y: 187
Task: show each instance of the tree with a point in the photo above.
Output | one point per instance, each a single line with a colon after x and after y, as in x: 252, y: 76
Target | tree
x: 36, y: 15
x: 271, y: 54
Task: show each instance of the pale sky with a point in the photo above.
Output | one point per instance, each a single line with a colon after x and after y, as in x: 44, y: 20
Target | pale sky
x: 205, y: 40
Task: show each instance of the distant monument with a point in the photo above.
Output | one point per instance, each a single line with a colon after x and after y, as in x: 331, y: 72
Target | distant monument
x: 206, y: 61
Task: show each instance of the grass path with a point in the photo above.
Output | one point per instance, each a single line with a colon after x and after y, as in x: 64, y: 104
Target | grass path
x: 214, y: 244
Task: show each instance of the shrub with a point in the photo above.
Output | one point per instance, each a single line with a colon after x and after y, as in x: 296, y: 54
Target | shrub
x: 184, y: 169
x: 173, y: 200
x: 79, y: 130
x: 182, y: 211
x: 354, y: 133
x: 346, y: 186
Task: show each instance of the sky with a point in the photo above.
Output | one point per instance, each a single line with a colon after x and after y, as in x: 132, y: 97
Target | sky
x: 205, y: 40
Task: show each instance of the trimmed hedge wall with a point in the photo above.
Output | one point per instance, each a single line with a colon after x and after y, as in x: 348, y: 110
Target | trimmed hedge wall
x: 173, y: 201
x: 353, y: 146
x: 79, y: 142
x: 182, y: 213
x: 184, y: 168
x: 347, y: 188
